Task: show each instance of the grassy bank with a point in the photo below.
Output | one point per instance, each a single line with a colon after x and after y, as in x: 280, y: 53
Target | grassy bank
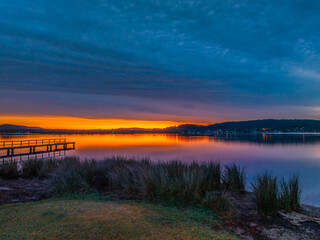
x: 87, y: 217
x: 174, y: 182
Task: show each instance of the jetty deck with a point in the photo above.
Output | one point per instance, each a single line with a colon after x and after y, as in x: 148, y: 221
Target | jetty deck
x: 34, y: 146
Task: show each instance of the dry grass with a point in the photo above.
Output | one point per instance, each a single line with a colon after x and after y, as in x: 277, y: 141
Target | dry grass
x: 90, y: 219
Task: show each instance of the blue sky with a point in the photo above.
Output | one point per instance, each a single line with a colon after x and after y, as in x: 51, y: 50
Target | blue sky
x: 178, y: 60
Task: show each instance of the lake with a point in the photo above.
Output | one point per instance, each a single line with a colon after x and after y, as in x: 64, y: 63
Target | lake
x: 281, y: 154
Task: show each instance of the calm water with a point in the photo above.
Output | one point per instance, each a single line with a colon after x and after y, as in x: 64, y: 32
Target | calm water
x: 282, y: 155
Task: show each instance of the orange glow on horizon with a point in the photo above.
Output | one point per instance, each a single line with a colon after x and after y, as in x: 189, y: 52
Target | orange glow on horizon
x: 66, y: 122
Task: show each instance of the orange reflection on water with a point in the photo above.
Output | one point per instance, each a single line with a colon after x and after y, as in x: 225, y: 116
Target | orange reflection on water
x: 159, y: 146
x: 116, y: 140
x: 172, y: 146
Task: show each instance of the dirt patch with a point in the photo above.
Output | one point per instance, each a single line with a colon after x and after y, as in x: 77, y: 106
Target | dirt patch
x: 22, y: 190
x: 285, y: 226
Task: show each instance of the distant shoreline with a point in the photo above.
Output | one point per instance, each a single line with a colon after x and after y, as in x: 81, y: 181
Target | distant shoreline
x: 266, y: 126
x: 209, y: 135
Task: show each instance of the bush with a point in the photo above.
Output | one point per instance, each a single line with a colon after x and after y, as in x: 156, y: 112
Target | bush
x: 289, y: 196
x: 234, y: 177
x: 266, y: 194
x: 9, y: 169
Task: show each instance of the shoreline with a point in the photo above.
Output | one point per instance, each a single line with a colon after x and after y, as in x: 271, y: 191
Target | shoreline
x: 243, y: 220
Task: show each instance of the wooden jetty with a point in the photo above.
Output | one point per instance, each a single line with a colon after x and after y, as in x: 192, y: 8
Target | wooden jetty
x: 35, y: 146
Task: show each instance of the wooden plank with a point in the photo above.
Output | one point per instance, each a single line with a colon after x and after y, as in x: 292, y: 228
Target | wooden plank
x: 35, y: 153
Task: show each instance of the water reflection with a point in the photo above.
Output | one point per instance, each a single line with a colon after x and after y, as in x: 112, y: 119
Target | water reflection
x: 280, y: 154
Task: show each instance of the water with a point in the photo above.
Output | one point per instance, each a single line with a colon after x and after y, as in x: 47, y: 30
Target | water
x: 282, y: 155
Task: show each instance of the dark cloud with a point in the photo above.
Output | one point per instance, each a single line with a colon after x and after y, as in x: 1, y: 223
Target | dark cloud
x: 158, y: 58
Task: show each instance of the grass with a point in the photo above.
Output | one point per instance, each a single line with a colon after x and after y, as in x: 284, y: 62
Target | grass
x: 89, y: 218
x: 31, y: 168
x: 272, y: 196
x: 173, y: 182
x: 234, y: 177
x: 9, y: 169
x: 289, y: 195
x: 266, y: 194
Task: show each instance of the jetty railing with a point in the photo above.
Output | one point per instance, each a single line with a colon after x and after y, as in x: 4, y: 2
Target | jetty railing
x: 35, y: 146
x: 27, y: 143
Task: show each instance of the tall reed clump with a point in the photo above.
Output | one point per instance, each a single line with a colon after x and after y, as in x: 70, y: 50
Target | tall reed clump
x: 289, y: 194
x: 68, y: 177
x: 47, y: 167
x: 176, y: 182
x: 31, y: 168
x: 9, y: 169
x: 265, y: 188
x: 173, y: 181
x: 123, y: 173
x: 41, y: 168
x: 271, y: 196
x: 234, y: 177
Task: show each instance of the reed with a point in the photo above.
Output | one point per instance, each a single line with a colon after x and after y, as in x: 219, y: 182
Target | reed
x: 234, y: 177
x: 31, y: 168
x: 265, y: 188
x: 289, y: 195
x: 68, y: 178
x: 172, y: 182
x: 9, y: 169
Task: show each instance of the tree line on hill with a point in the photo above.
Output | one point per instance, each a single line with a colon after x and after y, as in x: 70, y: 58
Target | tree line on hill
x: 266, y: 125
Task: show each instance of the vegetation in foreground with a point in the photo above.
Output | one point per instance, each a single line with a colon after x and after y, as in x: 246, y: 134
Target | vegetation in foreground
x: 87, y: 217
x: 272, y: 196
x: 195, y: 184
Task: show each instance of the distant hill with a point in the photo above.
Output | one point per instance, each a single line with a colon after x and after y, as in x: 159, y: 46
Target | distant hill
x: 15, y: 128
x: 285, y: 125
x: 270, y: 124
x: 266, y: 125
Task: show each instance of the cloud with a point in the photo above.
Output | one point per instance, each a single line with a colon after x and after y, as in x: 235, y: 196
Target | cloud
x: 307, y: 74
x: 221, y: 54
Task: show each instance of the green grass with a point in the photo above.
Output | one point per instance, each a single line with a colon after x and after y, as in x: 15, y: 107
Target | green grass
x: 90, y: 217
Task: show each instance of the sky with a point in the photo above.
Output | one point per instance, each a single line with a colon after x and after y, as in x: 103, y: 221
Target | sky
x: 157, y: 62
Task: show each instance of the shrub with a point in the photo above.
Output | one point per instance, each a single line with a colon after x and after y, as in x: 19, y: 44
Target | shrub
x: 234, y: 177
x: 289, y: 195
x: 9, y: 169
x: 266, y: 194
